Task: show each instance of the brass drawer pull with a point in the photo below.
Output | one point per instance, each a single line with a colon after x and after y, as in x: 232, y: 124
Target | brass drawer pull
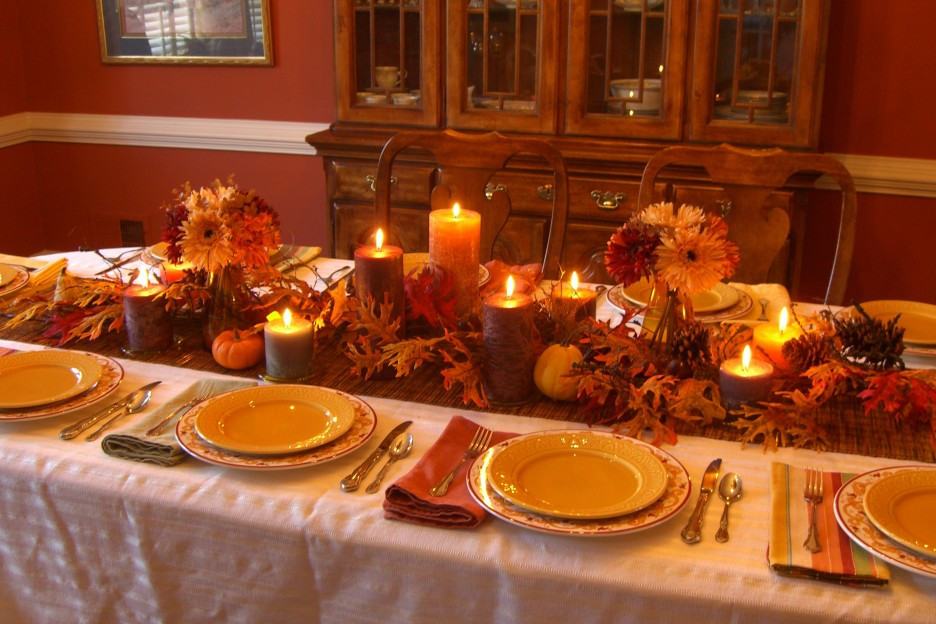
x: 545, y: 192
x: 724, y: 207
x: 608, y: 200
x: 372, y: 181
x: 492, y: 188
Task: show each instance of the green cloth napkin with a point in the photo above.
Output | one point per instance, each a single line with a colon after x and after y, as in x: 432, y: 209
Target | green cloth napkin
x: 164, y: 450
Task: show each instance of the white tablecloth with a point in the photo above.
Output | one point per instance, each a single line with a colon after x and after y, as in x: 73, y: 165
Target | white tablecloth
x: 89, y: 538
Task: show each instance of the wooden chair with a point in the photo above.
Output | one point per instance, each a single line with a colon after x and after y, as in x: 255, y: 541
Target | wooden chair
x: 466, y: 163
x: 748, y: 177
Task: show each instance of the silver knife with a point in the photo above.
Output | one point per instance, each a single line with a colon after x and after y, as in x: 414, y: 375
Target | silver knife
x: 693, y: 531
x: 75, y: 430
x: 353, y: 480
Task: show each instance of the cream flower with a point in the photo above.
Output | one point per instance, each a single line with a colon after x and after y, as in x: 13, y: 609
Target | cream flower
x: 206, y: 240
x: 693, y: 260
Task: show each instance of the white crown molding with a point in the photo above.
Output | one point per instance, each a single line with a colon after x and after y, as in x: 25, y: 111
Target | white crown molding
x: 872, y: 174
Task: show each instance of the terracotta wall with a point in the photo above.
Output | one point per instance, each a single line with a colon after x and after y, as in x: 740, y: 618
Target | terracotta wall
x: 876, y: 103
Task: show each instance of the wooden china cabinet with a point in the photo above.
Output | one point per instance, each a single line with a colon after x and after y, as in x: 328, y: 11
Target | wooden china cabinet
x: 609, y: 82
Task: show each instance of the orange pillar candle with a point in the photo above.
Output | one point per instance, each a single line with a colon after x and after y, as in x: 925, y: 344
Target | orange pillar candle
x: 148, y: 325
x: 288, y: 346
x: 508, y: 346
x: 584, y: 299
x: 744, y: 380
x: 455, y: 250
x: 172, y: 273
x: 378, y: 273
x: 771, y: 338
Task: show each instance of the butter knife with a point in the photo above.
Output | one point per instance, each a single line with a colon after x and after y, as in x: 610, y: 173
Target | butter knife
x: 353, y: 480
x: 693, y: 531
x: 75, y: 430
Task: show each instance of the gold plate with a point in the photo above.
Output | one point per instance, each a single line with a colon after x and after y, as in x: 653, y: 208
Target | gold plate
x: 12, y: 278
x: 903, y: 507
x: 274, y: 420
x: 36, y: 378
x: 417, y: 261
x: 7, y: 274
x: 718, y: 298
x: 917, y: 319
x: 577, y: 474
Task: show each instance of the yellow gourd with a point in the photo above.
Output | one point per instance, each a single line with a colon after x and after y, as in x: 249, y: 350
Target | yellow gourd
x: 551, y: 369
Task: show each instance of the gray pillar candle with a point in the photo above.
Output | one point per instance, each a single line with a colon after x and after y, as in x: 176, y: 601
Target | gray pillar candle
x: 148, y: 325
x: 288, y: 346
x: 744, y: 380
x: 508, y: 346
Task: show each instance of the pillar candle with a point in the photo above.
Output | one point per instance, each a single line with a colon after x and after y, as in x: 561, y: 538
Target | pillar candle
x: 584, y: 299
x: 172, y: 273
x: 288, y: 346
x: 148, y: 325
x: 744, y: 380
x: 770, y: 338
x: 378, y: 273
x: 455, y: 249
x: 508, y: 346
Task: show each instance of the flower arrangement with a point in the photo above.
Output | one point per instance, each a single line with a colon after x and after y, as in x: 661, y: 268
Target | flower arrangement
x: 221, y: 225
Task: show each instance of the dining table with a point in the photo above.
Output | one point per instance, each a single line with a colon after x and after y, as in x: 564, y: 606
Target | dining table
x: 87, y: 537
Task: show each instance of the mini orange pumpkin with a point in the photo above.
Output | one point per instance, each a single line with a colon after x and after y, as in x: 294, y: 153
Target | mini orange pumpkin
x: 237, y: 350
x: 551, y: 369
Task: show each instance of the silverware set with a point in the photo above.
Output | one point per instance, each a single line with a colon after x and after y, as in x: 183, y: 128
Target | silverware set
x: 730, y: 490
x: 353, y: 480
x: 132, y: 402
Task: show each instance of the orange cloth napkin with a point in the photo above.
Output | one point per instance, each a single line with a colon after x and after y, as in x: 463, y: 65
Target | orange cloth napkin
x: 840, y: 560
x: 409, y: 499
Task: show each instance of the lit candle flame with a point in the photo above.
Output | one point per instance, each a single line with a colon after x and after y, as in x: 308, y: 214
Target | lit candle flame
x: 574, y: 281
x: 784, y: 319
x: 379, y: 238
x: 746, y: 358
x: 510, y: 286
x: 455, y: 210
x: 287, y: 318
x: 143, y: 279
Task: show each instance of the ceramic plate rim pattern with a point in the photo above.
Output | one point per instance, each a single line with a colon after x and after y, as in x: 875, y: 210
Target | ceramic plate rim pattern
x: 510, y: 458
x: 20, y: 279
x: 8, y: 273
x: 728, y: 295
x: 665, y: 508
x: 412, y: 260
x: 365, y: 423
x: 206, y: 424
x: 891, y: 306
x: 111, y: 377
x: 876, y: 507
x: 89, y: 366
x: 743, y: 306
x: 851, y: 517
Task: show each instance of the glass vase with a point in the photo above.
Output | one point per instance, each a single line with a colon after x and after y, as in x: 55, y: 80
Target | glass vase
x: 229, y: 296
x: 667, y: 310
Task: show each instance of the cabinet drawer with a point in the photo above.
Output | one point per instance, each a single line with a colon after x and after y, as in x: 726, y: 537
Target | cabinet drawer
x: 354, y: 181
x: 584, y: 249
x: 353, y: 223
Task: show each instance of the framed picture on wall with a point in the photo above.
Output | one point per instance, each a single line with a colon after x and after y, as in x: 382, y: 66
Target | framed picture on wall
x: 203, y: 32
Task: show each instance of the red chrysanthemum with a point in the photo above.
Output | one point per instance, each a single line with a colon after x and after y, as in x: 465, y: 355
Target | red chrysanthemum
x: 631, y: 253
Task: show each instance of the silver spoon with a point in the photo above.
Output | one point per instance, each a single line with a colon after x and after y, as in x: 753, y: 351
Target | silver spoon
x: 398, y: 450
x: 137, y: 402
x: 730, y: 491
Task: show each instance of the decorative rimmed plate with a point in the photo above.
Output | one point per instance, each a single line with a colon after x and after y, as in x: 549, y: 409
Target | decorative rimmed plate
x: 720, y: 297
x: 365, y: 422
x: 577, y: 474
x: 274, y: 420
x: 903, y: 506
x: 850, y: 514
x: 36, y: 378
x: 156, y: 254
x: 668, y: 505
x: 417, y: 261
x: 741, y: 307
x: 917, y: 319
x: 111, y: 376
x: 12, y: 278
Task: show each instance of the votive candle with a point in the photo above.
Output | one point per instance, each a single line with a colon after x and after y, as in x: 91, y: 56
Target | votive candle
x: 148, y: 325
x: 584, y: 299
x: 378, y: 273
x: 172, y: 273
x: 288, y: 346
x: 770, y: 338
x: 744, y: 380
x: 455, y: 250
x: 508, y: 346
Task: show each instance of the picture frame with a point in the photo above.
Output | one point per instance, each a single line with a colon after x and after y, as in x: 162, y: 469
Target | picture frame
x: 192, y: 32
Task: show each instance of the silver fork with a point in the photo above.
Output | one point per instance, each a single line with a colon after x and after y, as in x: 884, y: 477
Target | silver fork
x: 813, y: 495
x: 479, y: 444
x: 161, y: 426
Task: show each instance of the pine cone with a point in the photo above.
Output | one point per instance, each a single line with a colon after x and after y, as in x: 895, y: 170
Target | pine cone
x: 690, y: 345
x: 869, y: 341
x: 806, y: 351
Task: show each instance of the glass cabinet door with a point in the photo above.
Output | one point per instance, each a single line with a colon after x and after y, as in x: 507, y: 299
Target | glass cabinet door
x: 627, y: 67
x: 756, y: 68
x: 501, y: 64
x: 388, y: 61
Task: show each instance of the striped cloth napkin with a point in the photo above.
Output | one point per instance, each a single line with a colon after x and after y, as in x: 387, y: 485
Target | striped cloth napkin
x: 39, y: 280
x: 840, y: 560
